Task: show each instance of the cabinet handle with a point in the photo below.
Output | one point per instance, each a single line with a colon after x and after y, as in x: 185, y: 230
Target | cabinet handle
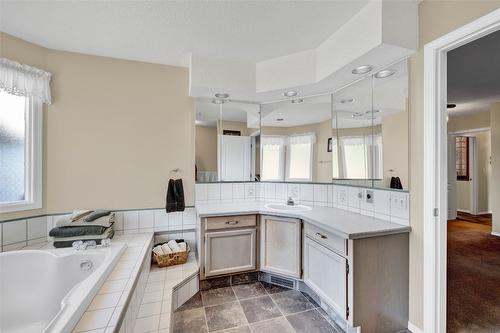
x: 232, y: 222
x: 321, y: 235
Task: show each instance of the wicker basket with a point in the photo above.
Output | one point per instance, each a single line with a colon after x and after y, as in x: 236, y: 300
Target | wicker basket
x: 171, y: 259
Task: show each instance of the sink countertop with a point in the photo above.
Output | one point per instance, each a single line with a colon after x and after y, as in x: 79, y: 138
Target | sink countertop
x: 344, y: 223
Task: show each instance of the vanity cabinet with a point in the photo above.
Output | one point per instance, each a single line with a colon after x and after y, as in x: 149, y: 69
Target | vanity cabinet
x: 281, y: 245
x: 229, y: 245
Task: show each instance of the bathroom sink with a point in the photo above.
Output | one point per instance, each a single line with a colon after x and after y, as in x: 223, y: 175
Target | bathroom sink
x: 289, y: 208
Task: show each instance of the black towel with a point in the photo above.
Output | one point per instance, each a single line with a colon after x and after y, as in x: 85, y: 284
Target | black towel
x: 171, y: 203
x: 179, y: 195
x: 396, y: 183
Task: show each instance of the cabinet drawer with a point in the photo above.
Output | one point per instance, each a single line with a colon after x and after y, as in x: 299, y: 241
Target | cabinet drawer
x: 225, y: 222
x: 326, y: 238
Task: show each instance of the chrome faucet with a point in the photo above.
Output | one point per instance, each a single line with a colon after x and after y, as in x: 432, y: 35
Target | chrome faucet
x: 290, y: 201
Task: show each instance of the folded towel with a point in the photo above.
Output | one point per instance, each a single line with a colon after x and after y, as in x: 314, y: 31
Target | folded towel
x: 77, y: 231
x: 65, y: 242
x: 158, y: 251
x: 105, y: 221
x: 96, y: 214
x: 106, y: 234
x: 174, y: 246
x: 79, y: 213
x: 166, y: 249
x: 183, y: 246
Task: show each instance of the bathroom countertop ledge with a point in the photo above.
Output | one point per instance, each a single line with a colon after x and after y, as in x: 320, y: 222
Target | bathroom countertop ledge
x: 344, y: 223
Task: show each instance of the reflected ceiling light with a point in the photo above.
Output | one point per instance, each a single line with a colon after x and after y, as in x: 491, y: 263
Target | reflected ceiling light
x: 218, y: 101
x: 346, y: 100
x: 221, y: 95
x: 384, y: 73
x: 297, y: 101
x: 372, y: 111
x: 279, y: 119
x: 357, y: 115
x: 451, y: 106
x: 290, y: 93
x: 363, y: 69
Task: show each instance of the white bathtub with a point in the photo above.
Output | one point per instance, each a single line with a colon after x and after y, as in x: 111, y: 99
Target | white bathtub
x: 48, y: 291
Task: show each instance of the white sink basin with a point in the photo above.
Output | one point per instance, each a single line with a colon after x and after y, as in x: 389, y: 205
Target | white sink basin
x: 289, y: 208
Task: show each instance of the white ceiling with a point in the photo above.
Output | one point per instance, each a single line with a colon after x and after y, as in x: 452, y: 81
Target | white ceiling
x: 474, y: 75
x: 167, y: 31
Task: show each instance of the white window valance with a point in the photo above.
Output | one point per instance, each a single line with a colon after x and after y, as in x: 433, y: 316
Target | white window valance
x: 273, y: 140
x: 24, y: 80
x: 302, y: 138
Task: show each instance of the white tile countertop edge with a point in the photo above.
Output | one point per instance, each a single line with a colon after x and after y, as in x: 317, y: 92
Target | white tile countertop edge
x: 344, y: 223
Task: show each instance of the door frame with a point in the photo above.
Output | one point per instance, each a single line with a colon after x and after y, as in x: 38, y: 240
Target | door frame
x: 435, y: 163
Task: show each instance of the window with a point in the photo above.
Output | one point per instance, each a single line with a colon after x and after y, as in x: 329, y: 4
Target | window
x: 20, y: 152
x: 361, y: 157
x: 273, y: 157
x: 462, y: 157
x: 300, y: 157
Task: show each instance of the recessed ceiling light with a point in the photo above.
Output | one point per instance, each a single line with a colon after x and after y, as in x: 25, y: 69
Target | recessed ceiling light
x: 384, y: 73
x: 297, y: 101
x: 363, y: 69
x: 357, y: 115
x: 451, y: 106
x: 218, y: 101
x: 346, y: 100
x: 279, y: 119
x: 372, y: 111
x: 221, y: 95
x: 290, y: 93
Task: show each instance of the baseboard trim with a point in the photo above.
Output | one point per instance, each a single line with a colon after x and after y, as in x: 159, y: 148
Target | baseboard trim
x: 495, y: 233
x: 464, y: 211
x: 414, y: 329
x: 481, y: 213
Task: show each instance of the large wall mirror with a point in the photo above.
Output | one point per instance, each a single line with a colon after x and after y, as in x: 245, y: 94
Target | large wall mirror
x: 295, y: 140
x: 227, y: 141
x: 370, y: 130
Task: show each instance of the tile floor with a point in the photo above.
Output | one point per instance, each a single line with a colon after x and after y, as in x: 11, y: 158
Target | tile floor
x: 251, y: 308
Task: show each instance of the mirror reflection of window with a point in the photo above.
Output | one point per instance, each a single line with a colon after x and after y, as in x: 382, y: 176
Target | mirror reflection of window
x: 300, y: 157
x: 273, y: 158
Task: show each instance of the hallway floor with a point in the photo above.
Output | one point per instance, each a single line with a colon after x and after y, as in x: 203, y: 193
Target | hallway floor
x: 473, y: 276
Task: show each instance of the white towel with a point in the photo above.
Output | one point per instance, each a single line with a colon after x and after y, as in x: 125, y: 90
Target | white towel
x: 158, y: 250
x: 183, y: 246
x: 166, y: 249
x: 174, y: 246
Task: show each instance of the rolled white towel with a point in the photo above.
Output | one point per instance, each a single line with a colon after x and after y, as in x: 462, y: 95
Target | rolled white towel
x: 174, y: 246
x: 158, y: 250
x: 183, y: 246
x: 166, y: 249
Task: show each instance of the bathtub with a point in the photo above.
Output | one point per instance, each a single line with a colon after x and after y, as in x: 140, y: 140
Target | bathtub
x: 48, y: 291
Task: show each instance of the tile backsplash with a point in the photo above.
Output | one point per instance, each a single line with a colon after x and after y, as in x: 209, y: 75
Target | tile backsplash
x: 384, y: 204
x: 19, y: 233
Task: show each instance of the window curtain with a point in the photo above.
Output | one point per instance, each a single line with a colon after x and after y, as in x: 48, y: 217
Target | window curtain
x: 24, y: 80
x: 302, y: 139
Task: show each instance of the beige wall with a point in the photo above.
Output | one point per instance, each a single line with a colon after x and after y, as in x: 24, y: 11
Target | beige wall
x: 206, y: 148
x: 495, y: 164
x: 114, y: 130
x: 467, y: 122
x: 436, y: 18
x: 395, y: 148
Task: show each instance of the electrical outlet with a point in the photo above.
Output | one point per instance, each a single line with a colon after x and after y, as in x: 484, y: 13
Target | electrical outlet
x: 399, y: 201
x: 343, y: 197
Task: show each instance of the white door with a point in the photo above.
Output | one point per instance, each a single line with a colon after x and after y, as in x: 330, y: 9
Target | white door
x: 235, y: 158
x: 452, y: 178
x: 325, y: 272
x: 230, y: 251
x: 280, y: 246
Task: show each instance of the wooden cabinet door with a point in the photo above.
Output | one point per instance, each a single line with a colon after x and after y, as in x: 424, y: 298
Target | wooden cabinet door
x: 325, y: 272
x: 230, y: 251
x: 280, y: 246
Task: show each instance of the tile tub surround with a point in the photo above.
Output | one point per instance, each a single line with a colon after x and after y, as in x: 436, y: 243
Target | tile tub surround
x: 344, y: 223
x: 17, y: 234
x: 256, y: 307
x: 388, y: 205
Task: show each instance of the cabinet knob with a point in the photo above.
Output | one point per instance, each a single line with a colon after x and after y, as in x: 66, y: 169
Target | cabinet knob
x: 232, y: 222
x: 321, y: 236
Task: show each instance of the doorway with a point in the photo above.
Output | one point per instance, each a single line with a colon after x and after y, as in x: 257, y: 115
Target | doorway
x: 436, y: 166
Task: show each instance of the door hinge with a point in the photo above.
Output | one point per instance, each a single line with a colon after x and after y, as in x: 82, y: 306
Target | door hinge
x: 347, y: 313
x: 347, y: 267
x: 435, y: 212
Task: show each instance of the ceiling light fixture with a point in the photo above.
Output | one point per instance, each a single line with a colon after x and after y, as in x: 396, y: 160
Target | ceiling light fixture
x: 290, y: 93
x: 363, y: 69
x: 218, y: 101
x: 346, y: 100
x: 451, y: 106
x: 279, y: 119
x: 384, y: 73
x: 297, y: 101
x: 372, y: 111
x: 221, y: 95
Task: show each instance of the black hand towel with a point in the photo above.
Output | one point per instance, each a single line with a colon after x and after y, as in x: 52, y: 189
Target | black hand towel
x: 396, y: 183
x: 179, y: 195
x: 171, y: 202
